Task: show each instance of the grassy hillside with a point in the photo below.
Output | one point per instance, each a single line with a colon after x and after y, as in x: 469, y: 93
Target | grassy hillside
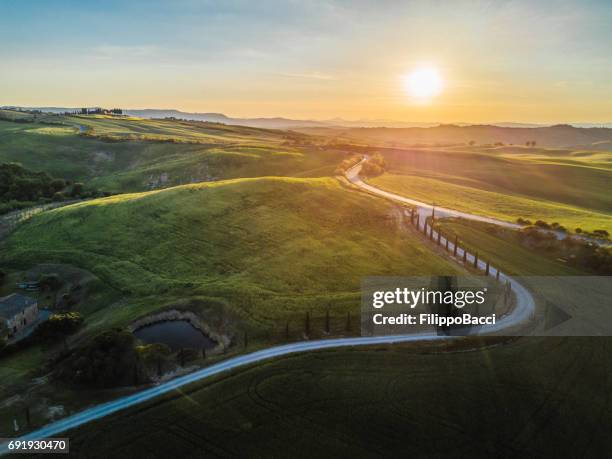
x: 266, y: 248
x: 526, y: 398
x: 125, y: 154
x: 508, y: 183
x: 492, y: 204
x: 128, y: 128
x: 507, y: 253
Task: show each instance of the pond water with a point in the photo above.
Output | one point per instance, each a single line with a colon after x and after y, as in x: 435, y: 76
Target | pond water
x: 176, y: 334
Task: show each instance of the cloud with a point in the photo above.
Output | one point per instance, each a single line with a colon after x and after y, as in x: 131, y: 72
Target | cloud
x: 308, y: 75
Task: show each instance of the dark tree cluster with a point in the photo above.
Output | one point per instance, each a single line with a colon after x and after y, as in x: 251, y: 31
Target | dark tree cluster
x: 577, y: 252
x: 21, y: 187
x: 59, y: 326
x: 114, y: 359
x: 20, y: 184
x: 109, y: 360
x: 101, y: 111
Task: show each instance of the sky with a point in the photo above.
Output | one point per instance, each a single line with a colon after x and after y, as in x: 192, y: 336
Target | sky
x: 524, y: 61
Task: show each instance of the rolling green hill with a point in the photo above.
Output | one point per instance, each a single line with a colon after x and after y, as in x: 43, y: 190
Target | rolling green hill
x: 267, y: 249
x: 571, y: 188
x: 131, y: 154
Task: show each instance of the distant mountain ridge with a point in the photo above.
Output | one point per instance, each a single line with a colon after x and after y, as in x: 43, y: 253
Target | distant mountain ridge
x: 287, y: 123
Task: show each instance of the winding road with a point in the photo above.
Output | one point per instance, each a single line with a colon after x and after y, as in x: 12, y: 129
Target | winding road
x: 423, y: 208
x: 523, y: 311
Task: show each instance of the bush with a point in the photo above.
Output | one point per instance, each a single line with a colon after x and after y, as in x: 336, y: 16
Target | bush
x: 59, y: 326
x: 77, y: 189
x: 542, y: 224
x: 58, y: 184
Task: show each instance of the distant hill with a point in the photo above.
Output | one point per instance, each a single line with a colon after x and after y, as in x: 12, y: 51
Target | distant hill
x: 394, y: 133
x: 562, y: 135
x: 287, y: 123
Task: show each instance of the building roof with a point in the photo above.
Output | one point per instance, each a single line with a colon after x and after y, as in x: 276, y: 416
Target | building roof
x: 14, y: 303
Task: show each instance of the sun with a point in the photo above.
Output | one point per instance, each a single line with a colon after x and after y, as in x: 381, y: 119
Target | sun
x: 423, y: 83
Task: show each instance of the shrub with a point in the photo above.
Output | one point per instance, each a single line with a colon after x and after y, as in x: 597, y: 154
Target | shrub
x: 59, y: 325
x: 58, y: 184
x: 77, y: 189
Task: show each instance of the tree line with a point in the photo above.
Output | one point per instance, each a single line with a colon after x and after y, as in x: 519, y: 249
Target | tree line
x: 21, y: 188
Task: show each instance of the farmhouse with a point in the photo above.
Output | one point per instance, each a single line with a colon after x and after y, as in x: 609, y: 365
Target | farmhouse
x: 18, y: 311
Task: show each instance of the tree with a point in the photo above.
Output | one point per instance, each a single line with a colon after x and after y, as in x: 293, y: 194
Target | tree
x: 376, y: 165
x: 59, y: 326
x: 77, y: 188
x: 58, y: 184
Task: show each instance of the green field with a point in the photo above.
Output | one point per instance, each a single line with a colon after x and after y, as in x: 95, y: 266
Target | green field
x: 526, y: 398
x: 124, y: 154
x: 266, y: 237
x: 571, y: 188
x: 232, y: 241
x: 507, y: 253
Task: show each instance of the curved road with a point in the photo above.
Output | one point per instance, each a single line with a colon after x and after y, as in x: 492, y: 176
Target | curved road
x: 423, y: 208
x: 525, y: 307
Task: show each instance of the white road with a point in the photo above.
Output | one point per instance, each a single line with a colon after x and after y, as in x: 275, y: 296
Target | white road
x: 424, y: 208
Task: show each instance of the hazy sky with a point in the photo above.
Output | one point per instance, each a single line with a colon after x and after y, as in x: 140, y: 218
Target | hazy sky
x: 531, y: 61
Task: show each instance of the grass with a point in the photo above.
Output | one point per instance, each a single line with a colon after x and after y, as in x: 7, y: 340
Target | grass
x: 506, y: 253
x: 535, y: 396
x: 130, y: 154
x: 492, y: 204
x: 569, y: 187
x: 268, y: 248
x: 130, y: 128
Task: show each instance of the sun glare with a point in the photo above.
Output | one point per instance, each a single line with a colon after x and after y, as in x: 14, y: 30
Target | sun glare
x: 423, y: 83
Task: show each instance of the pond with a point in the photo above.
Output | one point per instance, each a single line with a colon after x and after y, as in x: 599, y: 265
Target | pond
x: 175, y: 334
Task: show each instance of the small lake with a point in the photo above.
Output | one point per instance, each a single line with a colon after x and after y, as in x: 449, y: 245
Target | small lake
x: 175, y: 334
